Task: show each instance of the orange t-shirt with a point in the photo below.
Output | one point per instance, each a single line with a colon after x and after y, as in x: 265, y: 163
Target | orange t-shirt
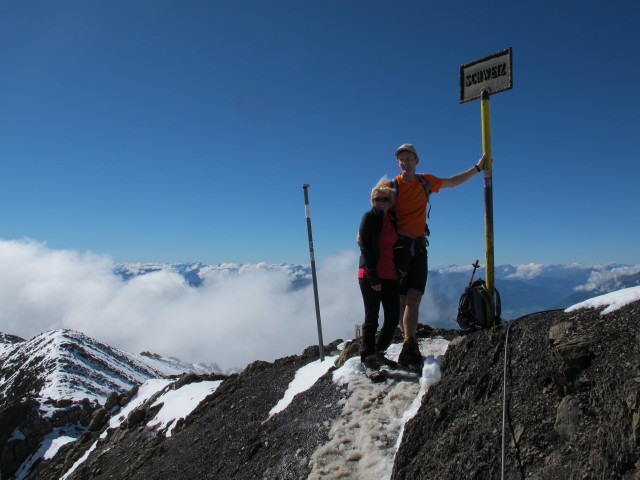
x: 411, y: 203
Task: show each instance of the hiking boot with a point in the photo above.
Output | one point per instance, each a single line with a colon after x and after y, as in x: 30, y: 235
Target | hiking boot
x: 371, y: 362
x: 410, y: 355
x: 382, y: 360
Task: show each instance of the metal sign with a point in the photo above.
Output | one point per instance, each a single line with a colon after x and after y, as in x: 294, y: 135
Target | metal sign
x: 493, y: 73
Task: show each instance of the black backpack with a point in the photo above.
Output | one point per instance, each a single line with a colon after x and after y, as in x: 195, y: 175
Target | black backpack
x: 472, y: 308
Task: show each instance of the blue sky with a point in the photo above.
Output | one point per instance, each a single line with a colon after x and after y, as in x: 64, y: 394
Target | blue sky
x: 158, y: 131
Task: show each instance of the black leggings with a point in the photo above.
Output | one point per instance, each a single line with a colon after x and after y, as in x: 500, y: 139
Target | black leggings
x: 389, y: 296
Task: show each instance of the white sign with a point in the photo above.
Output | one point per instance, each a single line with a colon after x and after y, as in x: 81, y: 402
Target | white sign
x: 493, y: 74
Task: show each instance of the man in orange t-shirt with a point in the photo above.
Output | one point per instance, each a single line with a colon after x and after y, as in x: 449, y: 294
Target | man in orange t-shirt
x: 411, y: 213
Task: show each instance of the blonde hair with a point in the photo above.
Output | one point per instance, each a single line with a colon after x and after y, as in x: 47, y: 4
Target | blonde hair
x: 383, y: 186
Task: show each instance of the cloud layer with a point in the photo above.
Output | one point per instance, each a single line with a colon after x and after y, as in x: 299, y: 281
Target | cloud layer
x: 236, y: 315
x: 232, y: 319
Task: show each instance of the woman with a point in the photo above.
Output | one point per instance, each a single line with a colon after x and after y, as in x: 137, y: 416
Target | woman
x: 377, y: 276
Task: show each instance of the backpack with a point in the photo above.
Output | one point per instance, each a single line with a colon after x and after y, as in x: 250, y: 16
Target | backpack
x: 427, y: 192
x: 472, y: 308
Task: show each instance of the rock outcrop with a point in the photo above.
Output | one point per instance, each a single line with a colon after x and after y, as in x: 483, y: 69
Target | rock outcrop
x: 572, y: 402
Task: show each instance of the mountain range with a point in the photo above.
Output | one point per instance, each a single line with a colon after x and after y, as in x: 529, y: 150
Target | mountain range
x: 523, y: 288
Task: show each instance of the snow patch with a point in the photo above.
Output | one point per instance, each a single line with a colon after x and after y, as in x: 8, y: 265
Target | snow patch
x: 16, y: 435
x: 365, y: 438
x: 49, y: 446
x: 613, y: 301
x: 147, y: 390
x: 178, y: 404
x: 56, y: 444
x: 304, y: 379
x: 80, y: 461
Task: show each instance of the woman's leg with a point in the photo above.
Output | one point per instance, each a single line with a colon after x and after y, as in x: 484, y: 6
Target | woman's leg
x: 371, y: 300
x: 391, y: 306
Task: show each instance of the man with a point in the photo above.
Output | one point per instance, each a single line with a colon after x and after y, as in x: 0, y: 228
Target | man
x: 411, y: 260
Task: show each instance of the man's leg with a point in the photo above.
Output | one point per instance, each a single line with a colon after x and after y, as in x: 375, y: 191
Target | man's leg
x: 416, y: 283
x: 411, y: 312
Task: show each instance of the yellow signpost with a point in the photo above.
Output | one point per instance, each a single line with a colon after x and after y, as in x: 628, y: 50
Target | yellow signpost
x: 480, y: 79
x: 488, y: 195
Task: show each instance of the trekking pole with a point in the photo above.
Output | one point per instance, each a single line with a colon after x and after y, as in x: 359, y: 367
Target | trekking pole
x: 313, y: 271
x: 475, y: 267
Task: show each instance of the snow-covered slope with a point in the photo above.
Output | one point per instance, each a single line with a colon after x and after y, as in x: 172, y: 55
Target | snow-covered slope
x: 54, y: 387
x: 64, y: 364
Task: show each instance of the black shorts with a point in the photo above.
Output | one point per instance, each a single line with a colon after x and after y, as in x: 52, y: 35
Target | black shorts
x: 417, y: 274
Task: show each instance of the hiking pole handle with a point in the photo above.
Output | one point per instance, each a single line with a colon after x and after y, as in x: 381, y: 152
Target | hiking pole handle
x: 475, y: 267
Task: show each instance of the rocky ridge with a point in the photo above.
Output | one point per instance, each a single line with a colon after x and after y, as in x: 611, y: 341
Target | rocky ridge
x: 57, y: 383
x: 572, y: 402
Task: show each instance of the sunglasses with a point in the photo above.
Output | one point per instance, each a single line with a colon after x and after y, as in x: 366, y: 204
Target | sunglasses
x: 382, y: 199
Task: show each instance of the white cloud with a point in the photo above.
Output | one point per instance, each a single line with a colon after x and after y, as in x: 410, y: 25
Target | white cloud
x: 233, y: 318
x: 527, y: 272
x: 444, y: 269
x: 609, y: 278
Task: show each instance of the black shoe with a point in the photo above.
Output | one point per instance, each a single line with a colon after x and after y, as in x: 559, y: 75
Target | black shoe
x: 384, y: 361
x: 371, y: 362
x: 410, y: 355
